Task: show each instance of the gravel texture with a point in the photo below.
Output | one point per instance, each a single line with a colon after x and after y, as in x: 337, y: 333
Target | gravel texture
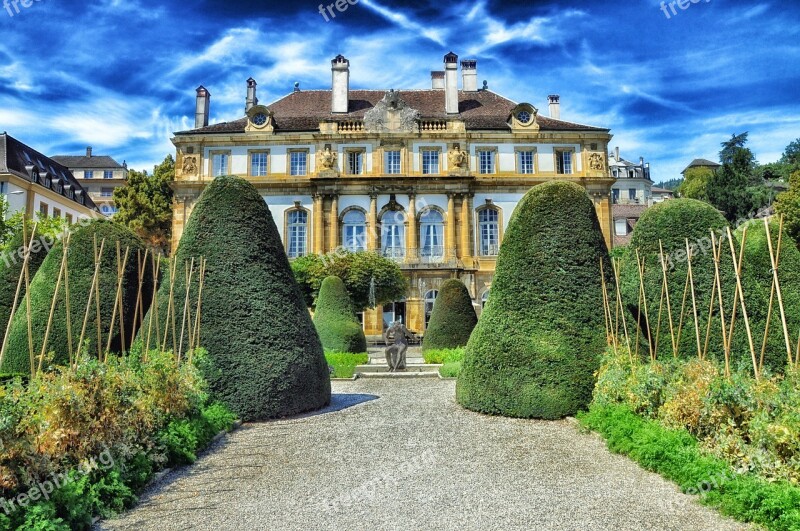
x: 401, y: 454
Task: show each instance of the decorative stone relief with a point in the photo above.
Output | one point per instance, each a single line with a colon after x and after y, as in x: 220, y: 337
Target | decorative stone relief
x: 596, y: 162
x: 391, y: 115
x: 457, y: 160
x: 189, y: 165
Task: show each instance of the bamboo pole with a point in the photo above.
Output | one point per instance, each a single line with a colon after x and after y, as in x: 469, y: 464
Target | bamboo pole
x: 638, y: 315
x: 606, y: 309
x: 170, y: 308
x: 117, y: 302
x: 138, y: 309
x: 203, y: 265
x: 121, y: 275
x: 26, y: 257
x: 716, y: 248
x: 621, y: 309
x: 744, y: 307
x: 710, y: 315
x: 98, y: 320
x: 738, y: 270
x: 690, y: 255
x: 666, y: 293
x: 156, y: 267
x: 774, y: 257
x: 67, y: 302
x: 26, y: 269
x: 683, y: 312
x: 189, y: 271
x: 91, y: 295
x: 644, y: 300
x: 53, y: 307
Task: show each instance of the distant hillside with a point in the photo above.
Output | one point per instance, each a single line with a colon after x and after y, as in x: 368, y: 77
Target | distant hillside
x: 672, y: 184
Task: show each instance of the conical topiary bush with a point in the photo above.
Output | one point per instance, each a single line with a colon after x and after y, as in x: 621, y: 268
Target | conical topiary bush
x: 539, y: 340
x: 81, y: 271
x: 336, y: 324
x: 452, y: 319
x: 265, y: 358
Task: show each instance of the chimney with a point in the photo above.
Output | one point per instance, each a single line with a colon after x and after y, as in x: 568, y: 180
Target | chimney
x: 89, y: 151
x: 451, y: 83
x: 252, y: 100
x: 469, y: 75
x: 641, y: 162
x: 437, y: 79
x: 555, y: 106
x: 202, y: 107
x: 616, y: 153
x: 340, y: 74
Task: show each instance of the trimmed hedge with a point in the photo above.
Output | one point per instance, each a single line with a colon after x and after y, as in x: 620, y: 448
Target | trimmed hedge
x: 336, y: 324
x: 81, y: 270
x: 265, y: 359
x: 452, y: 319
x: 538, y: 342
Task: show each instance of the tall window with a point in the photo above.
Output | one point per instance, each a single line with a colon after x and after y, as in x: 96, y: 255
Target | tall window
x: 430, y: 161
x: 354, y: 231
x: 632, y: 194
x: 615, y: 195
x: 430, y: 299
x: 393, y: 234
x: 43, y: 210
x: 525, y: 162
x: 297, y: 233
x: 219, y: 164
x: 393, y: 162
x: 355, y: 162
x: 88, y: 174
x: 431, y: 235
x: 564, y: 162
x: 258, y: 164
x: 489, y: 231
x: 486, y: 161
x: 108, y: 174
x: 621, y: 227
x: 298, y: 162
x: 56, y: 212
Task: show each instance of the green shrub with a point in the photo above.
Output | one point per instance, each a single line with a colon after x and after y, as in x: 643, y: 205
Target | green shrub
x: 452, y: 319
x: 540, y: 337
x: 336, y: 324
x: 344, y: 363
x: 81, y: 271
x: 265, y: 358
x: 451, y: 369
x: 443, y: 355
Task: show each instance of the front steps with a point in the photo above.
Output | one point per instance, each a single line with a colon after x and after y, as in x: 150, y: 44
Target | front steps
x: 415, y: 366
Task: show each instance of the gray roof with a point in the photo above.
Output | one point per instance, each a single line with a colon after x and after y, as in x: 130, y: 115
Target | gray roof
x: 18, y: 158
x: 77, y: 162
x: 701, y: 163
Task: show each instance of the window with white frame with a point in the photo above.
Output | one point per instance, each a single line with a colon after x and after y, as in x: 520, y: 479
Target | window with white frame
x: 393, y: 162
x: 258, y: 163
x: 431, y: 234
x: 486, y: 161
x: 393, y: 234
x: 621, y: 227
x: 525, y: 161
x: 430, y: 161
x: 108, y: 174
x: 355, y: 162
x: 489, y: 232
x: 564, y: 161
x: 296, y: 233
x: 219, y: 164
x: 298, y: 162
x: 354, y: 231
x: 88, y: 174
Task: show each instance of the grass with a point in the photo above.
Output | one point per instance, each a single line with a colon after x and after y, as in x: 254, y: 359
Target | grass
x: 676, y: 455
x: 344, y: 363
x: 443, y: 355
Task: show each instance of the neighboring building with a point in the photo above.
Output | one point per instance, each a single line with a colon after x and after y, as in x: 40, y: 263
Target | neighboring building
x: 36, y: 184
x: 701, y: 163
x: 99, y: 175
x: 631, y: 194
x: 661, y: 194
x: 429, y: 177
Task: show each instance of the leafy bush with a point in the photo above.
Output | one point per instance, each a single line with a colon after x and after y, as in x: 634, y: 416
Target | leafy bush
x: 451, y: 369
x: 336, y: 324
x: 265, y: 358
x: 344, y: 363
x: 443, y: 355
x: 539, y: 340
x: 452, y: 319
x: 81, y: 271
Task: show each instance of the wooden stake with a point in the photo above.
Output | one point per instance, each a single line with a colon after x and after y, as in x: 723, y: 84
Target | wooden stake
x: 203, y: 264
x: 716, y: 248
x: 99, y: 259
x: 156, y: 263
x: 774, y: 257
x: 26, y: 270
x: 188, y: 279
x: 666, y: 293
x: 117, y: 303
x: 644, y: 300
x: 689, y: 254
x: 170, y: 308
x: 67, y: 302
x: 91, y: 295
x: 606, y: 312
x: 741, y: 296
x: 738, y: 267
x: 621, y: 310
x: 683, y: 312
x: 26, y: 257
x: 53, y: 307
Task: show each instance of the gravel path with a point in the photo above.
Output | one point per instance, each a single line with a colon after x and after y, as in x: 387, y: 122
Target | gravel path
x: 400, y: 454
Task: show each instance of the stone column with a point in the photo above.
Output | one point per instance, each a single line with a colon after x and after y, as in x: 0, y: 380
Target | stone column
x: 466, y: 228
x: 372, y: 223
x: 450, y: 228
x: 412, y: 239
x: 333, y: 234
x: 318, y: 224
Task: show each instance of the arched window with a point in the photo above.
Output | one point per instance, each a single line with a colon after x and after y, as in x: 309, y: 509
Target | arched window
x: 354, y: 230
x: 296, y: 233
x: 430, y: 298
x: 393, y: 232
x: 488, y: 232
x: 431, y: 234
x: 485, y: 298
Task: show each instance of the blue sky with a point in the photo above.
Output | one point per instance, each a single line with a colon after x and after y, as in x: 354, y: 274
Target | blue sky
x: 120, y: 75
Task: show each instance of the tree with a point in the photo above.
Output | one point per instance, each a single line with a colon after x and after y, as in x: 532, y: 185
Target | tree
x: 791, y: 155
x: 453, y: 317
x: 730, y: 147
x: 695, y: 183
x: 371, y: 279
x: 539, y: 340
x: 735, y: 188
x: 336, y: 324
x: 145, y: 204
x: 788, y: 204
x: 265, y: 359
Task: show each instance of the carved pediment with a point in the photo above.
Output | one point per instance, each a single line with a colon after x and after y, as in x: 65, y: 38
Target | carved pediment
x: 391, y: 115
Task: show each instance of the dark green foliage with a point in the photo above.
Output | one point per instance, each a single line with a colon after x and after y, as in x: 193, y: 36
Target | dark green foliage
x: 540, y: 337
x: 677, y: 456
x: 81, y: 271
x: 452, y: 319
x: 336, y: 324
x: 265, y: 358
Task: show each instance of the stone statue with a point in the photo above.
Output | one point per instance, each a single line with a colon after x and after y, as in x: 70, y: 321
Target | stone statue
x: 189, y: 165
x: 596, y: 162
x: 396, y: 354
x: 457, y: 158
x: 327, y: 158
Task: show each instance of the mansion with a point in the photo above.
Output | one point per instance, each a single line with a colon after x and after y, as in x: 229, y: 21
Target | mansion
x: 429, y: 178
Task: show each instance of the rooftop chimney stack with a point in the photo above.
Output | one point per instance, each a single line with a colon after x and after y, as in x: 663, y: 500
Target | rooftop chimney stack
x: 555, y: 106
x: 202, y: 107
x: 437, y: 79
x: 340, y: 74
x: 89, y: 151
x: 252, y: 100
x: 451, y: 83
x: 616, y: 153
x: 469, y: 75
